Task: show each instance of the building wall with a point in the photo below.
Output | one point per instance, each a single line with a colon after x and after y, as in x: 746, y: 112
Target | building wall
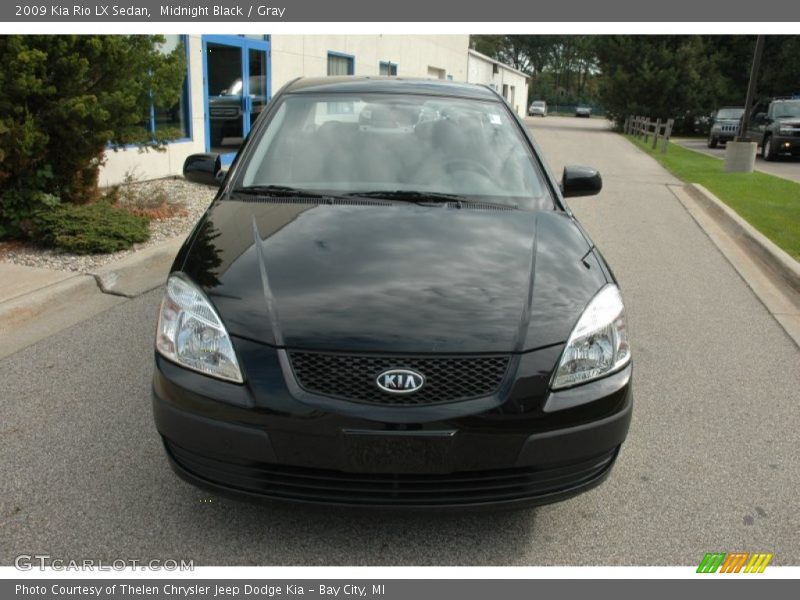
x: 307, y: 55
x: 151, y: 164
x: 481, y: 70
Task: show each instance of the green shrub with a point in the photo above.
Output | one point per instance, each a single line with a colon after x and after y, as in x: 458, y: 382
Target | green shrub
x: 63, y: 100
x: 90, y: 228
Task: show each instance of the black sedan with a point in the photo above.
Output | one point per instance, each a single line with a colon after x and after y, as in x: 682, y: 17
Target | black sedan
x: 390, y: 304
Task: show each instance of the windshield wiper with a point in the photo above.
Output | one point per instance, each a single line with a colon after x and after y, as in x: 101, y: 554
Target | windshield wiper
x: 420, y: 197
x: 280, y: 190
x: 410, y: 196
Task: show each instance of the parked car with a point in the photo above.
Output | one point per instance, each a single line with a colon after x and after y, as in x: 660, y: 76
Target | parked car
x: 724, y: 125
x: 394, y: 311
x: 775, y: 126
x: 538, y: 107
x: 225, y: 110
x: 583, y: 111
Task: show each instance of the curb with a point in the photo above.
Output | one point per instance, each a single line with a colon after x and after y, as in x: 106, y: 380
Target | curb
x: 138, y: 273
x: 776, y: 259
x: 31, y: 317
x: 28, y: 306
x: 772, y: 275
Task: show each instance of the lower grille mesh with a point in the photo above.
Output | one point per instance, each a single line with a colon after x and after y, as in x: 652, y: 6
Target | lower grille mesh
x: 338, y: 487
x: 353, y: 377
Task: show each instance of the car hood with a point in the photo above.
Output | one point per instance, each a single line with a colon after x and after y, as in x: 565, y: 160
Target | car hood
x: 789, y: 120
x: 396, y: 278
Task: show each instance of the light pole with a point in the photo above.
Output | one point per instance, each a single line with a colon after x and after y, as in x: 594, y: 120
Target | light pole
x: 751, y: 89
x: 740, y: 154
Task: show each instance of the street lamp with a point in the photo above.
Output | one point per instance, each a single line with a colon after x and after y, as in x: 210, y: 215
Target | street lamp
x: 740, y: 155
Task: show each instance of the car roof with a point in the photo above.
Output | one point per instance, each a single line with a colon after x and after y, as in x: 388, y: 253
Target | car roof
x: 396, y: 85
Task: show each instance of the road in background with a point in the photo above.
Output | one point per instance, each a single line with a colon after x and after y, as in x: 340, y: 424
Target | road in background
x: 785, y: 166
x: 711, y: 463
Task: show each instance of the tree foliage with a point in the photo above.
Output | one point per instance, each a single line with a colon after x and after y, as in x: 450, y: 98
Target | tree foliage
x: 561, y: 67
x: 658, y: 76
x: 668, y: 76
x: 63, y: 100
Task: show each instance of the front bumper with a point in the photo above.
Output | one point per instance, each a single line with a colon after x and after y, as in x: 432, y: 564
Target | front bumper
x: 786, y: 144
x: 258, y: 441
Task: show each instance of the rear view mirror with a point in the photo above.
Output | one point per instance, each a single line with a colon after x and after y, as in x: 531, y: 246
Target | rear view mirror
x: 205, y: 168
x: 580, y: 181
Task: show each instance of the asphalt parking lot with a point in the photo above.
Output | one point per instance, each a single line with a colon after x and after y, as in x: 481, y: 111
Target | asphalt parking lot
x: 787, y: 167
x: 711, y: 463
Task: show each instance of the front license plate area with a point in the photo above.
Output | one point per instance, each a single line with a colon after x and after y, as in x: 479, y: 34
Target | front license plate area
x: 379, y: 452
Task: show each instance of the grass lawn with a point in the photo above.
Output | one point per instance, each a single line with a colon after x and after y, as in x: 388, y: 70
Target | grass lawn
x: 768, y: 203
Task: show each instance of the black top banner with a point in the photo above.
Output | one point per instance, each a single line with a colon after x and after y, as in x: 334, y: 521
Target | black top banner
x: 156, y: 11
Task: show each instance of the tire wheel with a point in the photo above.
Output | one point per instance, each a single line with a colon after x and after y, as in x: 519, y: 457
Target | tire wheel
x: 767, y: 152
x: 712, y: 142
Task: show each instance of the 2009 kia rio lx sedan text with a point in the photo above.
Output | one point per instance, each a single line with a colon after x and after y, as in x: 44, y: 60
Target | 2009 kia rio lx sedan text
x: 390, y: 304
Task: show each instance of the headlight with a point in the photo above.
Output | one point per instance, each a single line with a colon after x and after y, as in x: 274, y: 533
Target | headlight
x: 598, y: 345
x: 191, y: 333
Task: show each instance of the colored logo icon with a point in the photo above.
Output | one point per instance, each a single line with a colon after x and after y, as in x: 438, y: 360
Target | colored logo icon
x: 734, y: 562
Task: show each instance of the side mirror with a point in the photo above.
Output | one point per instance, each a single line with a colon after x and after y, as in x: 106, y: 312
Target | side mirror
x: 205, y: 168
x: 580, y: 181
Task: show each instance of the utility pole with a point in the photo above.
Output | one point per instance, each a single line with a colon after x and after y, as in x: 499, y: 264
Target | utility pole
x: 751, y: 89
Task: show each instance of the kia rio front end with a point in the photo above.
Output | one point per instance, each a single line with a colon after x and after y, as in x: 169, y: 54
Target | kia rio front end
x: 389, y: 304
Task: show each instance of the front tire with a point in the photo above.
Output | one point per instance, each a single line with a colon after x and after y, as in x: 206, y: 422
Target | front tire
x: 712, y: 142
x: 767, y: 151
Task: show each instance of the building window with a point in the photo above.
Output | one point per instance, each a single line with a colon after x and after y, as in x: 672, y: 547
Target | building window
x: 341, y: 64
x: 175, y: 117
x: 505, y: 91
x: 387, y: 68
x: 436, y: 73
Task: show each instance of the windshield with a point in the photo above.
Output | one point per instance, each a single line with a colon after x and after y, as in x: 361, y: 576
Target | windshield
x: 538, y: 104
x: 373, y: 143
x: 785, y: 110
x: 730, y: 113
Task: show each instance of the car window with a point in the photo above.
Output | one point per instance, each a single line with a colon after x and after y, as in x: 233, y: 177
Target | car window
x: 390, y: 142
x: 730, y: 113
x: 785, y: 110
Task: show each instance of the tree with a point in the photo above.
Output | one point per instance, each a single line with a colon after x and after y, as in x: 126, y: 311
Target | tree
x: 560, y: 66
x: 64, y: 100
x: 658, y: 76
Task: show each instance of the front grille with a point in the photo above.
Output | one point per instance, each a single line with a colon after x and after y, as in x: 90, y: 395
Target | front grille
x: 338, y: 487
x: 353, y: 377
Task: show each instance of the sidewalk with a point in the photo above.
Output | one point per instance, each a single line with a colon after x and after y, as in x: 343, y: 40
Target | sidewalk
x: 36, y: 303
x: 18, y: 280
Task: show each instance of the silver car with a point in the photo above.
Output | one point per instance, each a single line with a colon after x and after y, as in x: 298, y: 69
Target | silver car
x: 538, y: 108
x: 724, y: 124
